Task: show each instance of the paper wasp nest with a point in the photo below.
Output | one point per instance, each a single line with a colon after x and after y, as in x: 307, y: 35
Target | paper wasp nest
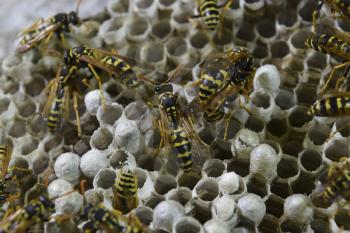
x: 258, y: 180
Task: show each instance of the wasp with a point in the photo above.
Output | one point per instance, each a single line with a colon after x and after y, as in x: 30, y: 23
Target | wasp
x: 177, y: 128
x: 222, y: 75
x: 5, y: 157
x: 66, y: 85
x: 31, y: 213
x: 61, y: 90
x: 342, y: 7
x: 125, y: 191
x: 43, y: 30
x: 331, y: 41
x: 209, y: 11
x: 336, y: 184
x: 99, y: 217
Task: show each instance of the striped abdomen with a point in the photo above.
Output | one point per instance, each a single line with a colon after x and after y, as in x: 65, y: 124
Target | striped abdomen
x: 181, y: 146
x: 215, y: 111
x: 331, y: 107
x: 127, y: 74
x: 167, y: 103
x: 328, y: 44
x: 212, y: 80
x: 4, y: 153
x: 209, y: 10
x: 56, y: 111
x: 125, y: 192
x: 339, y: 187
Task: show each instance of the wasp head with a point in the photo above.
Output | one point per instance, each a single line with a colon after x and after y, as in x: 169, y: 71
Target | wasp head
x: 73, y: 18
x: 162, y: 88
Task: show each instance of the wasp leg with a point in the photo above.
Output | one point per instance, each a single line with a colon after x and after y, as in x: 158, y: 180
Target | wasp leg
x: 332, y: 73
x: 315, y: 14
x: 75, y: 107
x: 342, y: 80
x: 63, y: 40
x: 227, y: 122
x: 224, y: 7
x: 338, y: 130
x: 98, y: 79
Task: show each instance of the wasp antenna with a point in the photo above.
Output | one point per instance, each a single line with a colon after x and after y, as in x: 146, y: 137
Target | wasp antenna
x: 52, y: 53
x: 78, y: 5
x: 144, y: 78
x: 175, y: 73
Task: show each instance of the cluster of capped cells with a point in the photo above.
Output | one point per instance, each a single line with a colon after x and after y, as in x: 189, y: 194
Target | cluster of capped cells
x: 258, y: 180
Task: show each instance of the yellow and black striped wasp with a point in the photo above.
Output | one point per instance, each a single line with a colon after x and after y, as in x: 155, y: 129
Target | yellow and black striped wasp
x: 335, y: 185
x: 66, y: 85
x: 209, y: 11
x: 342, y: 7
x: 61, y: 89
x: 100, y: 218
x: 125, y: 188
x: 222, y: 75
x: 177, y: 129
x: 331, y: 41
x: 43, y: 30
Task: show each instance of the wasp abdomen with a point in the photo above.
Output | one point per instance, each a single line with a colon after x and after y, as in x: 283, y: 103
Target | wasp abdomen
x: 331, y: 107
x: 182, y: 147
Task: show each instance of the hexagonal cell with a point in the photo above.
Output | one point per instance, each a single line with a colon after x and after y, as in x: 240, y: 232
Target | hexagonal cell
x: 118, y: 7
x: 154, y: 200
x: 106, y: 178
x: 261, y: 100
x: 17, y: 128
x: 304, y: 184
x: 35, y: 86
x: 343, y: 127
x: 4, y: 104
x: 292, y: 147
x: 144, y: 4
x: 287, y: 17
x: 141, y: 177
x: 266, y: 28
x: 111, y: 114
x: 82, y: 146
x: 187, y: 180
x: 299, y: 117
x: 285, y: 99
x: 199, y: 40
x: 311, y: 160
x: 161, y: 29
x: 280, y: 188
x: 336, y: 150
x: 187, y: 225
x: 260, y: 51
x: 258, y: 186
x: 232, y: 129
x: 306, y: 10
x: 101, y: 139
x: 255, y: 124
x: 277, y: 127
x: 144, y: 214
x: 298, y: 39
x: 181, y: 195
x: 164, y: 183
x: 221, y: 40
x: 37, y: 124
x: 319, y: 133
x: 201, y: 213
x: 279, y: 49
x: 214, y: 167
x: 287, y: 167
x: 207, y: 189
x: 240, y: 167
x: 176, y: 46
x: 269, y: 224
x: 306, y: 93
x: 274, y: 205
x: 29, y: 146
x: 317, y: 61
x: 150, y: 163
x: 245, y: 32
x: 52, y: 142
